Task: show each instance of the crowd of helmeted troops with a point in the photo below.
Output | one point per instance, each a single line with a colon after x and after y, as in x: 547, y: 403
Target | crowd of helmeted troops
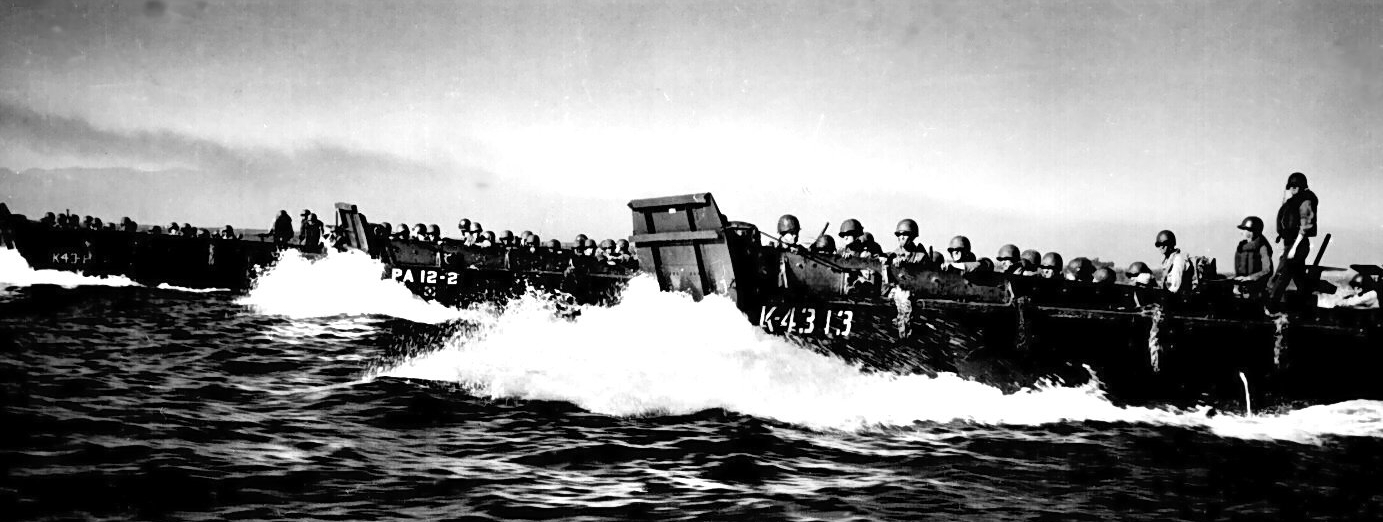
x: 473, y: 234
x: 1253, y: 277
x: 68, y: 221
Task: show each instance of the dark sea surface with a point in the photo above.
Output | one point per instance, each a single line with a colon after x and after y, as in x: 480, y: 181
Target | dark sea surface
x: 328, y: 394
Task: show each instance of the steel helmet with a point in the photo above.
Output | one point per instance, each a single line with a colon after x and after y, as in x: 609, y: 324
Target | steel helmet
x: 824, y: 244
x: 464, y: 225
x: 526, y: 233
x: 434, y: 230
x: 386, y: 226
x: 1008, y: 253
x: 531, y: 240
x: 1052, y: 261
x: 403, y: 228
x: 1297, y: 179
x: 1137, y: 268
x: 1105, y: 276
x: 489, y: 235
x: 906, y: 227
x: 607, y: 244
x: 1079, y: 269
x: 1360, y: 281
x: 588, y: 243
x: 1031, y: 259
x: 420, y: 229
x: 938, y: 259
x: 622, y: 245
x: 507, y: 235
x: 868, y: 237
x: 1252, y: 224
x: 554, y: 244
x: 788, y: 225
x: 1166, y: 238
x: 850, y: 227
x: 475, y: 227
x: 960, y: 242
x: 580, y: 240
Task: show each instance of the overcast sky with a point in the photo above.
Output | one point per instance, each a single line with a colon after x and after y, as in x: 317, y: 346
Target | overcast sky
x: 1079, y: 126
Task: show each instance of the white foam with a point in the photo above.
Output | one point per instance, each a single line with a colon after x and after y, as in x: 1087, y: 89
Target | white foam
x: 15, y: 271
x: 175, y: 288
x: 342, y: 283
x: 660, y: 353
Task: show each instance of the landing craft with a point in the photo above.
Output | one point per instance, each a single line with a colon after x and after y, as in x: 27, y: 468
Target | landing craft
x: 1144, y: 347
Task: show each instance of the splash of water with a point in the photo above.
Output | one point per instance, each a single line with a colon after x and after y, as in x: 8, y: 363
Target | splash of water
x: 661, y: 353
x: 15, y: 271
x: 342, y: 283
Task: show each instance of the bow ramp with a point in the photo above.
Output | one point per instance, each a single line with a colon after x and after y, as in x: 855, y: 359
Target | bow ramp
x: 689, y: 245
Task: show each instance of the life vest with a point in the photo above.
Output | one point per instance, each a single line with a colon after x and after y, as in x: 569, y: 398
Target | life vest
x: 1246, y: 258
x: 1289, y: 215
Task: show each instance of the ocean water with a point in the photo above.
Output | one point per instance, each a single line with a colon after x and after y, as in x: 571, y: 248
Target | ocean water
x: 327, y: 393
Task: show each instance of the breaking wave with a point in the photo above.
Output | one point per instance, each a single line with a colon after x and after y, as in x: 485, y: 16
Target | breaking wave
x: 342, y: 283
x: 15, y: 271
x: 661, y: 353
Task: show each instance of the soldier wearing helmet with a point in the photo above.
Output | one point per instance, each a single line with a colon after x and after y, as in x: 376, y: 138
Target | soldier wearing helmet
x: 851, y: 233
x: 506, y: 239
x: 1253, y: 259
x: 1296, y: 224
x: 553, y: 245
x: 1080, y: 269
x: 871, y: 247
x: 1140, y: 275
x: 1363, y: 293
x: 959, y: 257
x: 606, y: 252
x: 530, y: 243
x: 402, y: 232
x: 1104, y: 276
x: 789, y: 231
x: 908, y: 251
x: 465, y: 227
x: 1176, y: 270
x: 1008, y: 261
x: 1031, y: 261
x: 435, y: 232
x: 824, y: 245
x: 1051, y: 266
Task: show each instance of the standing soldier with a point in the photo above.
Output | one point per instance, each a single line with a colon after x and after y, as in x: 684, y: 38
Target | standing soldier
x: 283, y: 230
x: 1296, y: 224
x: 1253, y: 259
x: 850, y: 232
x: 1176, y: 271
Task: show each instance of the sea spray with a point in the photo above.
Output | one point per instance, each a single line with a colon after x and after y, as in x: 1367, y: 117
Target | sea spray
x: 342, y: 283
x: 15, y: 271
x: 662, y: 353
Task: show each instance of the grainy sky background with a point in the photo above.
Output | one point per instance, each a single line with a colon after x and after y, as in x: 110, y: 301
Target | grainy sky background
x: 1083, y: 127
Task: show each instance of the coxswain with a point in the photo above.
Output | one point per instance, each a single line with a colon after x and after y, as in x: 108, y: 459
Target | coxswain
x: 1176, y: 271
x: 789, y: 231
x: 1139, y: 275
x: 850, y: 232
x: 1080, y: 269
x: 1363, y: 293
x: 824, y: 245
x: 1296, y: 224
x: 908, y: 251
x: 1008, y: 261
x: 1051, y: 266
x: 1253, y: 259
x: 282, y: 231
